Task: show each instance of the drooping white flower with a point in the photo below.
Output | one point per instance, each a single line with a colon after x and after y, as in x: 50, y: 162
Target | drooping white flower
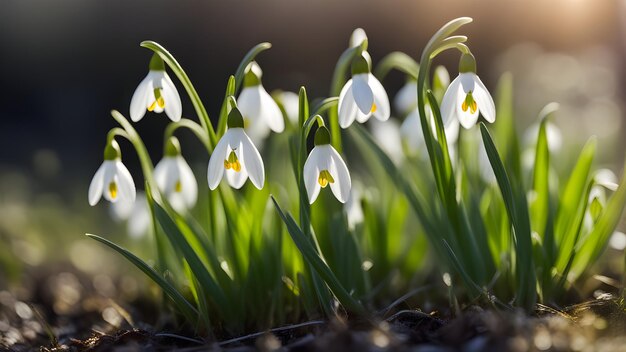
x: 354, y: 209
x: 236, y: 156
x: 324, y: 167
x: 290, y: 101
x: 607, y: 179
x: 406, y: 98
x: 467, y: 97
x: 137, y: 215
x: 175, y: 179
x: 387, y: 135
x: 362, y: 96
x: 553, y: 135
x: 112, y: 180
x: 260, y: 111
x: 413, y: 137
x: 156, y: 93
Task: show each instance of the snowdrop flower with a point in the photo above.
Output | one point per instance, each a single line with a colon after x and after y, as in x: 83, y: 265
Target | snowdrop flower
x: 406, y: 98
x: 324, y: 167
x: 387, y: 135
x: 607, y: 179
x: 413, y: 138
x: 257, y: 106
x: 236, y: 156
x: 175, y: 179
x: 354, y: 209
x: 467, y: 96
x: 112, y: 180
x: 290, y: 101
x: 553, y: 134
x: 362, y: 96
x: 156, y: 93
x: 136, y: 213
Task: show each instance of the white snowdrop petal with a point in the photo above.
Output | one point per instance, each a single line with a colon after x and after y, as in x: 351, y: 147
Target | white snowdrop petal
x: 173, y: 105
x: 362, y: 92
x: 448, y: 104
x: 468, y: 81
x: 339, y: 170
x: 236, y: 179
x: 270, y: 112
x: 249, y: 103
x: 126, y: 185
x: 139, y: 100
x: 357, y: 37
x: 347, y: 107
x: 383, y: 110
x: 96, y: 186
x: 411, y: 131
x: 311, y: 173
x: 216, y: 162
x: 252, y: 159
x: 189, y: 185
x: 406, y: 98
x: 290, y: 101
x: 484, y: 101
x: 361, y: 117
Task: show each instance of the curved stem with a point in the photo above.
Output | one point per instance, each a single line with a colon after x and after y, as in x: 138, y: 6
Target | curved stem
x: 252, y: 53
x: 116, y: 131
x: 325, y: 105
x: 144, y: 158
x: 191, y: 125
x: 399, y: 61
x: 203, y: 116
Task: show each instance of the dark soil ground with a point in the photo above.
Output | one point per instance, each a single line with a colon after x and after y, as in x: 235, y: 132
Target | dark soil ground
x: 62, y: 314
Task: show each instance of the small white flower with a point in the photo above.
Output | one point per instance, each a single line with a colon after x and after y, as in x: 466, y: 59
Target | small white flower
x: 258, y: 107
x: 156, y: 93
x: 137, y: 213
x: 406, y: 98
x: 361, y: 97
x: 607, y: 179
x: 465, y: 98
x: 177, y: 182
x: 236, y: 156
x: 387, y: 135
x: 354, y: 209
x: 413, y: 138
x: 324, y: 167
x: 291, y: 102
x: 112, y: 180
x: 553, y: 135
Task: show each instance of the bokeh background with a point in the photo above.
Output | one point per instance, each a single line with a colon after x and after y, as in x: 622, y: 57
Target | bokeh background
x: 65, y: 64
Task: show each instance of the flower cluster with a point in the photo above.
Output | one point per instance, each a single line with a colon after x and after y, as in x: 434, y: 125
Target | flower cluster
x: 255, y: 114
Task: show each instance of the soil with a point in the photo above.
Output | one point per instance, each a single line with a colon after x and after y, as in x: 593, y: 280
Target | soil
x: 61, y: 314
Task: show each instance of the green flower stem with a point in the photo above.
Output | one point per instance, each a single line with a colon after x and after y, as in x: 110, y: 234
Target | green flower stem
x: 241, y: 69
x: 192, y: 126
x: 144, y: 158
x: 205, y: 121
x: 339, y: 78
x: 399, y: 61
x: 325, y: 105
x: 454, y: 42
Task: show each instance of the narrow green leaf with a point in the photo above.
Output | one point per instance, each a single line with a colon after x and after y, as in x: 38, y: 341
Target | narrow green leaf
x: 312, y: 257
x: 188, y: 310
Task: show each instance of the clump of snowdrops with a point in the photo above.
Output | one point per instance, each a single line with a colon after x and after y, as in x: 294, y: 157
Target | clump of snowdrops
x: 375, y: 213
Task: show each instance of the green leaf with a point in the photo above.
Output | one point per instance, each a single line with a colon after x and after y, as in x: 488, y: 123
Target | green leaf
x: 313, y: 258
x: 177, y: 239
x: 183, y: 305
x: 517, y: 210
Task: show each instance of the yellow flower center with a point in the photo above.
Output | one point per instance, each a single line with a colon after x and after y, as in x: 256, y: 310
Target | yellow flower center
x: 158, y: 99
x: 178, y: 187
x: 325, y: 178
x: 374, y: 108
x: 113, y: 190
x: 232, y: 162
x: 469, y: 103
